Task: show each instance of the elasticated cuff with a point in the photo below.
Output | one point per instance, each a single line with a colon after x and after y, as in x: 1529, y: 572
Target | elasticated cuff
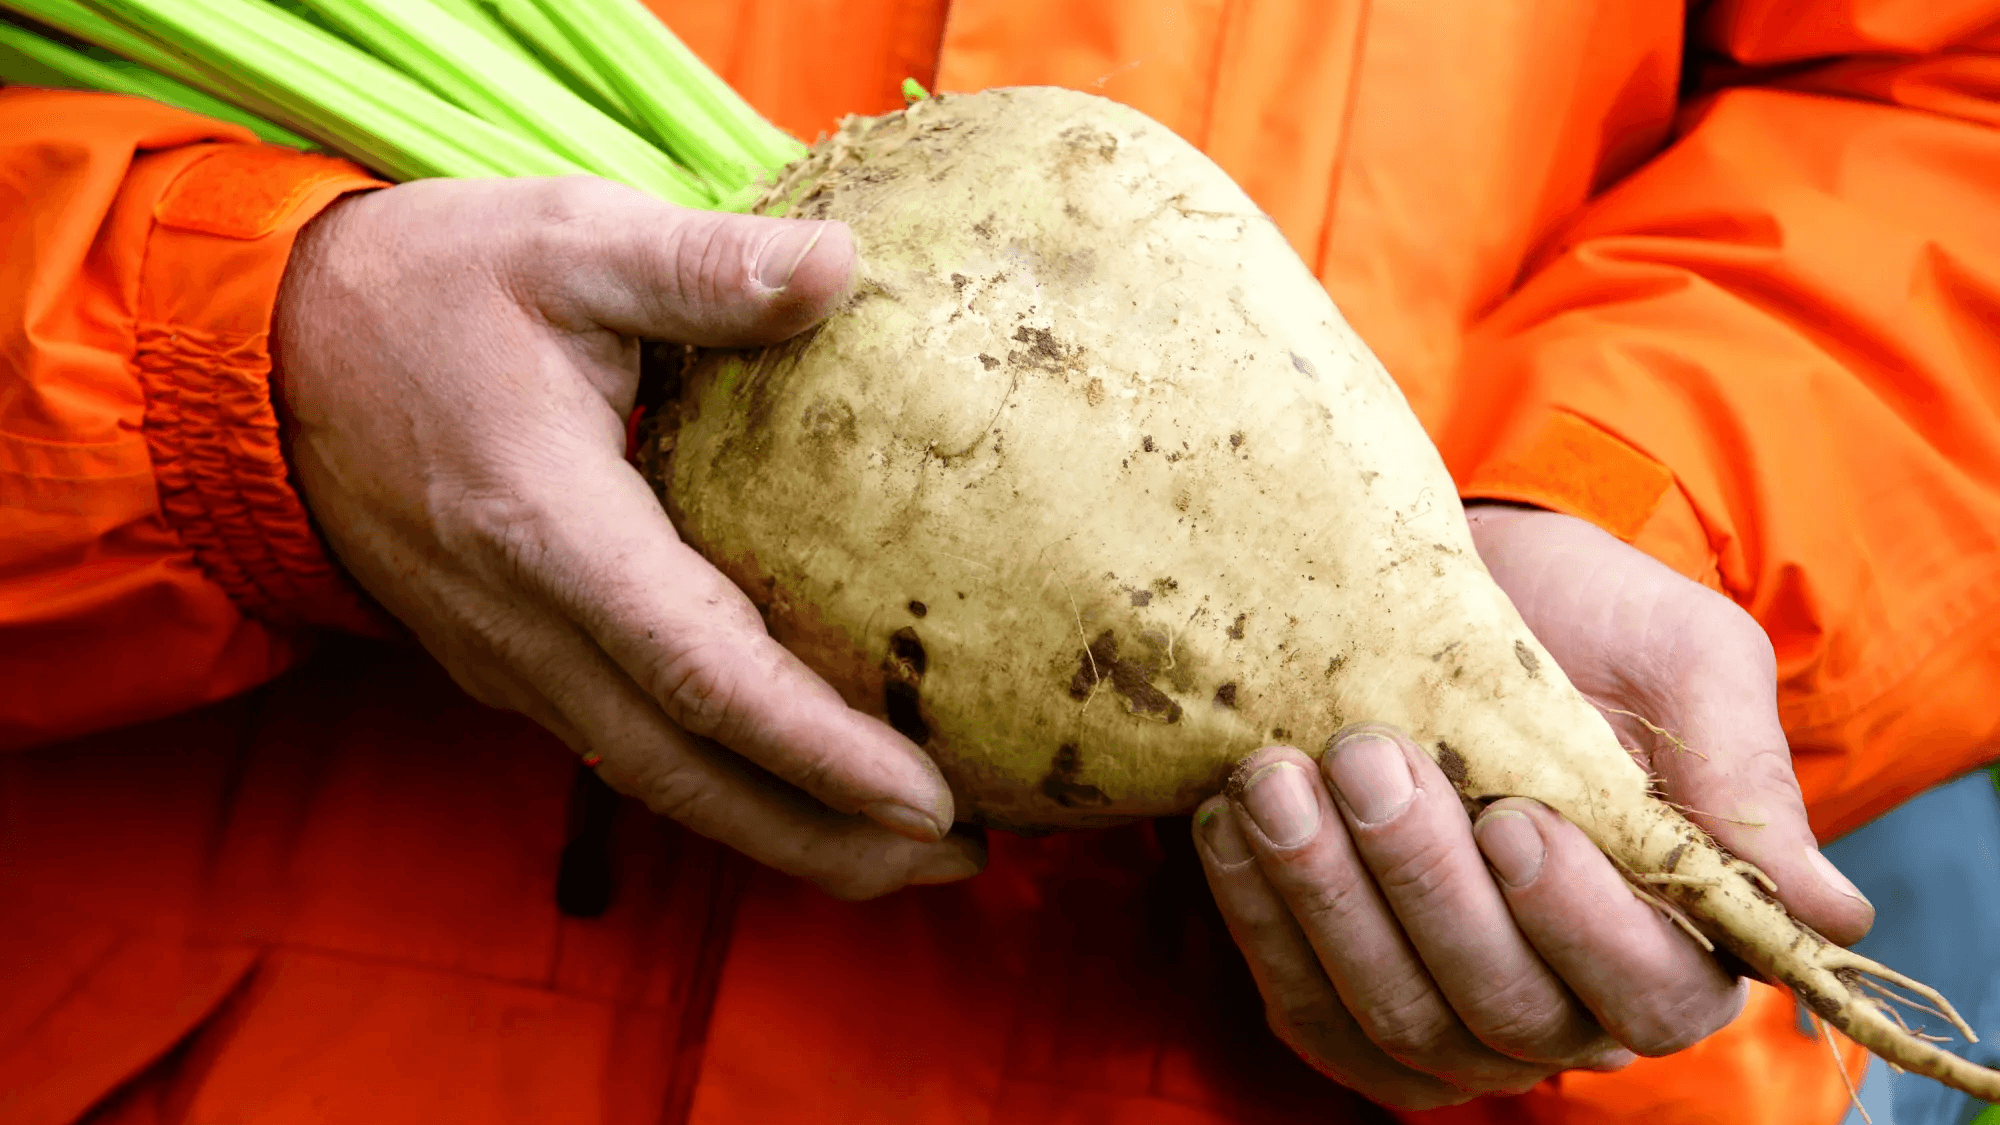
x: 224, y: 220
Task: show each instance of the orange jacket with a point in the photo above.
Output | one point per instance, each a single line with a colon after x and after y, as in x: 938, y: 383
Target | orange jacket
x: 1744, y: 330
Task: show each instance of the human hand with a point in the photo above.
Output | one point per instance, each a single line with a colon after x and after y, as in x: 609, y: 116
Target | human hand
x: 457, y: 359
x: 1400, y: 961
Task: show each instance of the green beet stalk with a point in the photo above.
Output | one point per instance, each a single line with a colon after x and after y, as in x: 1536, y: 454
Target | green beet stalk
x: 560, y: 57
x: 479, y: 18
x: 276, y: 65
x: 687, y: 109
x: 28, y: 59
x: 505, y: 89
x: 497, y: 19
x: 85, y: 24
x: 418, y: 88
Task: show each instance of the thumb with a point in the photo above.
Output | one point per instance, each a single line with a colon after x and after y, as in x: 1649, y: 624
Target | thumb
x: 1728, y: 762
x: 636, y: 265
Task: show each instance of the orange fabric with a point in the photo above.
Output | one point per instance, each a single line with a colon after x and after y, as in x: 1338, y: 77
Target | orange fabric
x: 1574, y: 466
x: 1754, y: 335
x: 246, y: 191
x: 141, y: 482
x: 808, y: 63
x: 331, y: 899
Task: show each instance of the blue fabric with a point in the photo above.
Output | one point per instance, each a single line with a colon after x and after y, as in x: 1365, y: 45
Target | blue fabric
x: 1932, y: 869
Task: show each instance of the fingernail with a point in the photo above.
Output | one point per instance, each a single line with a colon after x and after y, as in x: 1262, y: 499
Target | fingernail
x: 1512, y: 844
x: 1282, y: 803
x: 903, y: 821
x: 1224, y: 836
x: 947, y: 865
x: 782, y: 255
x: 1836, y: 880
x: 1372, y: 775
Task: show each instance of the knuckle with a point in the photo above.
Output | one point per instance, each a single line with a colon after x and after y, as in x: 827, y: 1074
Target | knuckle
x: 564, y: 229
x: 1713, y: 624
x: 1524, y: 1028
x: 495, y: 529
x: 675, y: 791
x: 1689, y: 1019
x: 706, y: 678
x: 1412, y: 1030
x: 1419, y: 877
x: 697, y: 693
x: 560, y: 202
x: 704, y: 244
x: 1522, y: 1014
x: 1731, y: 621
x: 1306, y: 1020
x: 711, y: 262
x: 1326, y: 906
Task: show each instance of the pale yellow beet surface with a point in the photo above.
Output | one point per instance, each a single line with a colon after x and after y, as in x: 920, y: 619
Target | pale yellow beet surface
x: 1107, y: 402
x: 1090, y: 491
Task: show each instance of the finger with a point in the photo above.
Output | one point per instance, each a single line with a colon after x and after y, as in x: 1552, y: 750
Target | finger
x: 1649, y: 985
x: 1303, y: 1006
x: 1410, y: 829
x: 596, y: 709
x: 595, y: 544
x: 1726, y: 759
x: 623, y: 260
x: 1291, y: 823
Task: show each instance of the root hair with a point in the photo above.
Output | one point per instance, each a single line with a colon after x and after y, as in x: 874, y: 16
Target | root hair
x: 1833, y: 1052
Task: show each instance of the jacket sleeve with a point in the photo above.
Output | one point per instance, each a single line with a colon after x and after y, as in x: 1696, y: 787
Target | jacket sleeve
x: 1771, y: 358
x: 153, y: 556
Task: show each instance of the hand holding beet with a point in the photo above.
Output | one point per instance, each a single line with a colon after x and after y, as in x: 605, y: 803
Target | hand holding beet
x: 457, y: 359
x: 1405, y: 964
x: 1092, y: 482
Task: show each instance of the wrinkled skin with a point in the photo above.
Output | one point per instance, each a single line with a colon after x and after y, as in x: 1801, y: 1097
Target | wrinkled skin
x: 1423, y: 959
x: 457, y: 359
